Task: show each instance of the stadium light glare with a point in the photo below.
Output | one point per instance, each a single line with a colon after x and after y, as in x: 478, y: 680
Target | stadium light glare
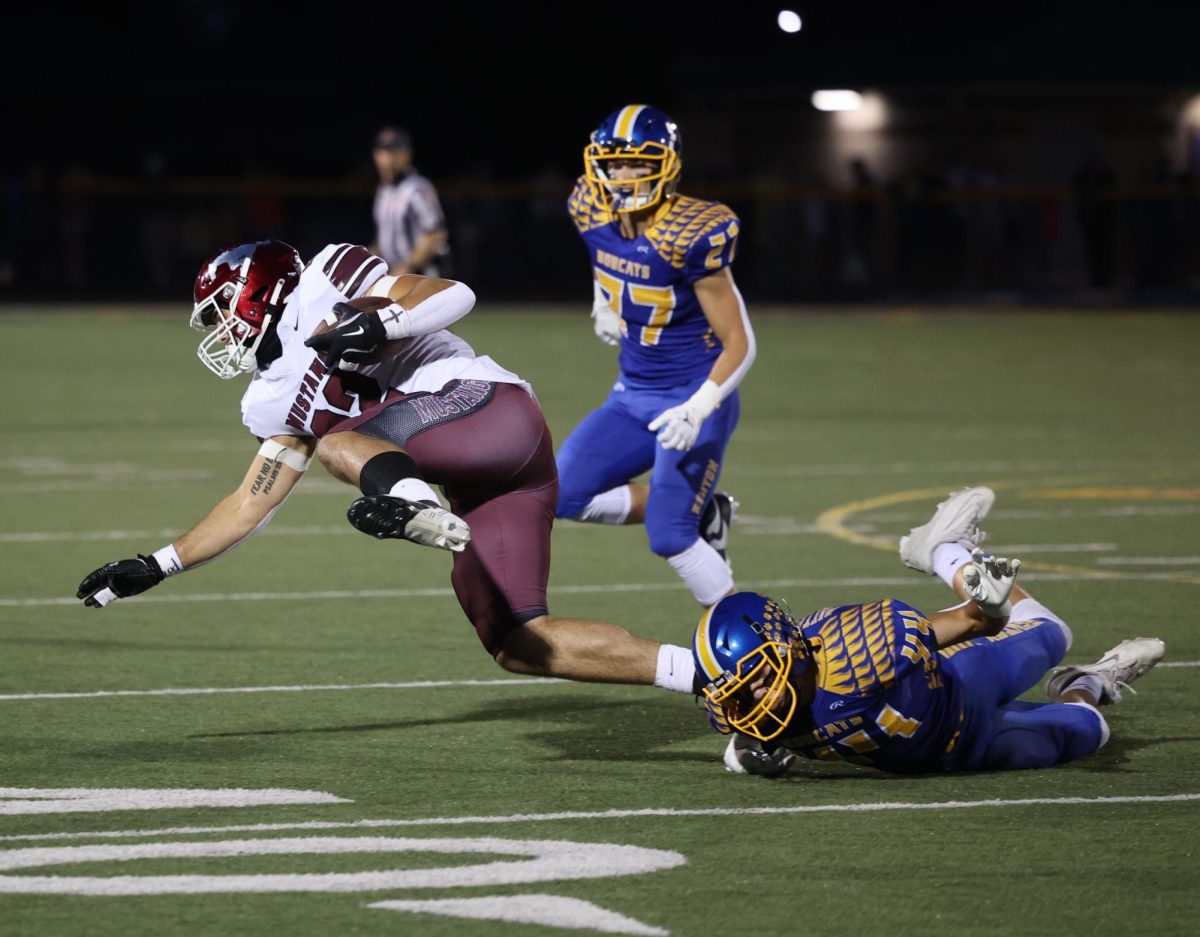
x: 789, y: 21
x: 836, y: 100
x: 1191, y: 111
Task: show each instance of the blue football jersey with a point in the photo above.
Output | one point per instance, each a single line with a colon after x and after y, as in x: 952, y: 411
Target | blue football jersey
x: 882, y: 695
x: 649, y: 281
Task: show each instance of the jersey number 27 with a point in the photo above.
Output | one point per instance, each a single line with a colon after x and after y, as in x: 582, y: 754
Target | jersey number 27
x: 660, y: 300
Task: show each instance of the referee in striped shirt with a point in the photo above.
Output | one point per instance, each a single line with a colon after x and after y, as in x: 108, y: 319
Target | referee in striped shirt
x: 410, y: 229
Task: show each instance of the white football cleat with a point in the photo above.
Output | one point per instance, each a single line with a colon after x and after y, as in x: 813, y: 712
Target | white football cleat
x: 745, y: 755
x: 388, y: 517
x: 1117, y: 669
x: 956, y: 520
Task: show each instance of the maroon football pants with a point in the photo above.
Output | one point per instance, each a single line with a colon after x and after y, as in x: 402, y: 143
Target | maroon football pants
x: 489, y: 448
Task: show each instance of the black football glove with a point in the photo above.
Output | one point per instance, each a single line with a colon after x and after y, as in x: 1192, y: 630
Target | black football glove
x: 119, y: 580
x: 349, y: 344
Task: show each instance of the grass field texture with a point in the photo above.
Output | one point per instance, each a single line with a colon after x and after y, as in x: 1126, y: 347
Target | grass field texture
x: 313, y: 659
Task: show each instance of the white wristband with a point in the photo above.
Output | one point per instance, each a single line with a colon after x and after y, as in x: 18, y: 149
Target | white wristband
x: 278, y: 452
x: 705, y: 399
x: 397, y: 323
x: 168, y: 560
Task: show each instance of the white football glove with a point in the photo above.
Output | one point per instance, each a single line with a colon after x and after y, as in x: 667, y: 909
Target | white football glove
x: 605, y: 322
x: 679, y: 426
x: 989, y: 581
x: 744, y: 755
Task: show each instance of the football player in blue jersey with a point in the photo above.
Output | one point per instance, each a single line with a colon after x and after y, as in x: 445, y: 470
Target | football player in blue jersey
x: 882, y: 684
x: 664, y: 293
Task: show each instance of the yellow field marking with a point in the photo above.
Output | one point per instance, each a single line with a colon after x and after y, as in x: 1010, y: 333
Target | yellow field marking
x: 1112, y: 494
x: 834, y: 521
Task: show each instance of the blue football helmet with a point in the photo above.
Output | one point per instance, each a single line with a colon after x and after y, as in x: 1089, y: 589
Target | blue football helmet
x: 747, y: 643
x: 641, y: 134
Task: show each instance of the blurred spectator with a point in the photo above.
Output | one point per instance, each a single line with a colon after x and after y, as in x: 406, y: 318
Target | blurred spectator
x: 75, y: 225
x: 858, y: 264
x: 410, y: 228
x: 157, y: 228
x: 1095, y: 189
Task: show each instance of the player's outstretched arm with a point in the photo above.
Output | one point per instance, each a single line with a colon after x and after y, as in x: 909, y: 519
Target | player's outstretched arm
x: 276, y: 468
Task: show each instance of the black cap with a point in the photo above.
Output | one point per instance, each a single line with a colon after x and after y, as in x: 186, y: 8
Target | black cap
x: 393, y: 138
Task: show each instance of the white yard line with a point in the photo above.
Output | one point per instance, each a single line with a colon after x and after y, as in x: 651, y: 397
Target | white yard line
x: 1148, y: 560
x: 58, y: 536
x: 941, y: 468
x: 665, y: 812
x: 326, y: 687
x: 300, y: 688
x: 1039, y: 514
x: 1032, y: 549
x: 445, y: 591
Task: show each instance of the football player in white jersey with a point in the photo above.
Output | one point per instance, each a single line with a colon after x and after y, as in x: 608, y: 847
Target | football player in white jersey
x: 431, y: 411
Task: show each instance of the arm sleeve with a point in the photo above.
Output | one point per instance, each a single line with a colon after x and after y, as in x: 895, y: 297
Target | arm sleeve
x: 439, y: 311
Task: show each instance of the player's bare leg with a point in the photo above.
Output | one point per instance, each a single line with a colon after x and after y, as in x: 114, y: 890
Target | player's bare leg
x: 639, y: 494
x: 345, y: 454
x: 579, y: 649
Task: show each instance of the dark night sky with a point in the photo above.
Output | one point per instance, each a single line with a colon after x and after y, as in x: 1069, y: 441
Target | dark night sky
x: 216, y: 85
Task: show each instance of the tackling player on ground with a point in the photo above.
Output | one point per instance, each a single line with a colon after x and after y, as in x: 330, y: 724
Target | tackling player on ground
x: 882, y: 684
x: 432, y: 411
x: 664, y: 292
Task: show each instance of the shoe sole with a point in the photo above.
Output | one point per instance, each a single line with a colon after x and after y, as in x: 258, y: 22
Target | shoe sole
x: 1062, y: 677
x: 959, y: 513
x: 444, y: 531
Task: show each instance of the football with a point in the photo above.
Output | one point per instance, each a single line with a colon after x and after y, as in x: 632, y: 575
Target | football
x: 372, y: 305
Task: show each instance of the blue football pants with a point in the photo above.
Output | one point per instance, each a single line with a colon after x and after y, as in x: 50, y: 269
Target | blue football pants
x: 1002, y: 732
x: 612, y: 446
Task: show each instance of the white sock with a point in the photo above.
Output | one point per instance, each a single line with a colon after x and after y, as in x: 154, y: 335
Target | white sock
x: 413, y: 489
x: 947, y: 558
x: 676, y: 669
x: 705, y: 573
x: 1029, y: 608
x: 1089, y: 683
x: 608, y: 507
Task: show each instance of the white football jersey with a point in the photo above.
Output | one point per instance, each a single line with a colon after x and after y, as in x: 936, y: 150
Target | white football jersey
x: 296, y: 395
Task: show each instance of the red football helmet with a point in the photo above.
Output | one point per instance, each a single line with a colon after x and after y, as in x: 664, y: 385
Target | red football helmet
x: 238, y: 292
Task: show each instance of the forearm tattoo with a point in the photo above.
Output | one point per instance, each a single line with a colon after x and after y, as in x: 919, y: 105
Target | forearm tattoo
x: 268, y: 473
